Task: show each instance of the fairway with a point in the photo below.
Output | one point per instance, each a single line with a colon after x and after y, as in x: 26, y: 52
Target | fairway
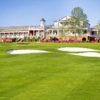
x: 56, y: 75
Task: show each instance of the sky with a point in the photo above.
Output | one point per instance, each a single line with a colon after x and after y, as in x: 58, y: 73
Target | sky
x: 29, y: 12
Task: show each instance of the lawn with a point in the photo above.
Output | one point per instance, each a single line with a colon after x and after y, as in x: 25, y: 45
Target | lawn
x: 55, y: 75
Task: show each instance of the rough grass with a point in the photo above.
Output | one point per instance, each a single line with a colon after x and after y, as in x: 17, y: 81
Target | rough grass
x: 49, y: 76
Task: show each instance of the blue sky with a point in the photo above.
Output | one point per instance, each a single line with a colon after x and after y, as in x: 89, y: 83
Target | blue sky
x: 29, y: 12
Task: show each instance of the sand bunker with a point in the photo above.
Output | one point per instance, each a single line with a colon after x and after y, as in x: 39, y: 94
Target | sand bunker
x: 25, y: 51
x: 87, y: 54
x: 81, y: 51
x: 76, y: 49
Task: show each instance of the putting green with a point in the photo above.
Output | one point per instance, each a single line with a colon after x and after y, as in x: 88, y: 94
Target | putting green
x: 49, y: 76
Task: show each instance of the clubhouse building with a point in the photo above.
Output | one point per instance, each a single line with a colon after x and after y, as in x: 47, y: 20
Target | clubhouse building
x: 43, y: 31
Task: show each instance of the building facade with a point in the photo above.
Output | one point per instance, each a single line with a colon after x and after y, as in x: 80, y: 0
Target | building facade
x: 57, y: 29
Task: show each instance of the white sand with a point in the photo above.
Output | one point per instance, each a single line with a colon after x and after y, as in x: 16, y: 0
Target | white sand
x: 25, y: 51
x: 81, y: 51
x: 87, y: 54
x: 76, y: 49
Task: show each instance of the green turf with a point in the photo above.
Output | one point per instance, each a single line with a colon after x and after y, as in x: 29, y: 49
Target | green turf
x: 55, y: 75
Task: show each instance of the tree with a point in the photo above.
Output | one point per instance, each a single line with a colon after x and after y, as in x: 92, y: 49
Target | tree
x: 78, y: 21
x: 72, y: 21
x: 73, y: 24
x: 98, y: 27
x: 79, y: 13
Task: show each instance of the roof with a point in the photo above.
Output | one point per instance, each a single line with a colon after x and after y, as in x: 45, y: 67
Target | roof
x: 43, y: 19
x: 62, y: 19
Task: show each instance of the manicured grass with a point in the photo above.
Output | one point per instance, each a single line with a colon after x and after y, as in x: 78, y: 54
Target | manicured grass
x: 55, y: 75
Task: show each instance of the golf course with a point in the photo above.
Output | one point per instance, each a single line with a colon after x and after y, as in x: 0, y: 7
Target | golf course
x: 51, y: 75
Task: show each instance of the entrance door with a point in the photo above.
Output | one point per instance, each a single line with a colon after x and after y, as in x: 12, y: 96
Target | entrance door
x: 31, y: 32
